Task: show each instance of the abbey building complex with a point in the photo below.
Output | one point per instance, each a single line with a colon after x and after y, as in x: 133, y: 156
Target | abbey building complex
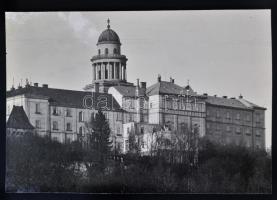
x: 163, y: 107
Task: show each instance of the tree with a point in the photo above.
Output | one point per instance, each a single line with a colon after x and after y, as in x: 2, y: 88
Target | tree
x: 100, y: 144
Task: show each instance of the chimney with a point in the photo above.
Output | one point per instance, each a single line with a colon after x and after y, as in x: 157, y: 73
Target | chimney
x: 159, y: 78
x: 137, y: 88
x: 143, y: 87
x: 171, y: 80
x: 205, y: 94
x: 215, y: 95
x: 96, y: 87
x: 45, y: 85
x: 36, y: 84
x: 225, y: 97
x: 240, y: 96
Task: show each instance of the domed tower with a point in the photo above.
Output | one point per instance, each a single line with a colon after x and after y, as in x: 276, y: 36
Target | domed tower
x: 108, y: 66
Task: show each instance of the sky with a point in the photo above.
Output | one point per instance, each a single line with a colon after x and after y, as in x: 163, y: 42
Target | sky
x: 222, y: 52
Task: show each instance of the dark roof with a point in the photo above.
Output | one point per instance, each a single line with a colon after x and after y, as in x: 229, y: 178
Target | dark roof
x: 220, y: 101
x: 18, y: 119
x: 250, y: 104
x: 164, y: 87
x: 128, y: 91
x: 58, y: 97
x: 108, y: 36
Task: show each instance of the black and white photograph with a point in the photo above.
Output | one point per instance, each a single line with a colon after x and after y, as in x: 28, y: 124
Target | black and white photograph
x: 139, y: 102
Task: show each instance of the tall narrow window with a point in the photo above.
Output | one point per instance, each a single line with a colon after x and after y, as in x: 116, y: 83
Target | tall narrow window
x: 106, y: 51
x: 55, y: 125
x: 106, y: 72
x: 99, y: 74
x: 37, y: 125
x: 113, y: 71
x: 37, y: 108
x: 68, y: 126
x: 228, y: 115
x: 81, y: 130
x: 99, y: 51
x: 55, y: 111
x: 81, y: 116
x: 238, y: 116
x: 114, y: 51
x: 68, y: 112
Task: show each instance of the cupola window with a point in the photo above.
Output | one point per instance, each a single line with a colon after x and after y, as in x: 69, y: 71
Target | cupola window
x: 114, y: 51
x: 106, y: 51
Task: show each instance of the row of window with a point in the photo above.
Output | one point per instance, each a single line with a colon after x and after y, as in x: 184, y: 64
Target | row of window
x: 237, y: 117
x: 238, y: 130
x: 115, y: 51
x: 55, y: 126
x: 68, y: 112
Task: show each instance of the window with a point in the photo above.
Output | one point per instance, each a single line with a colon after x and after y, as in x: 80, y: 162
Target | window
x: 238, y: 116
x: 131, y: 118
x: 150, y: 105
x: 228, y: 115
x: 228, y: 128
x: 106, y: 72
x: 68, y: 127
x: 106, y: 115
x: 81, y: 130
x: 238, y: 130
x: 55, y: 111
x: 99, y: 51
x: 217, y: 114
x: 37, y: 124
x: 248, y: 131
x: 68, y: 112
x: 81, y: 116
x: 141, y: 130
x: 258, y: 133
x: 114, y: 51
x: 106, y: 51
x: 119, y: 116
x: 55, y: 125
x: 248, y: 118
x: 99, y: 74
x: 37, y: 108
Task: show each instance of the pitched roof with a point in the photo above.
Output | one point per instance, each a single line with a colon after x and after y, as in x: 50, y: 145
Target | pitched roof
x: 18, y: 119
x: 128, y: 91
x: 164, y: 87
x: 219, y: 101
x: 250, y: 104
x: 58, y: 97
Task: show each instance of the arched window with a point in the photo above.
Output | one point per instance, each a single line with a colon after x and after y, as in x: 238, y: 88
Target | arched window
x: 106, y: 51
x: 114, y: 51
x: 99, y: 51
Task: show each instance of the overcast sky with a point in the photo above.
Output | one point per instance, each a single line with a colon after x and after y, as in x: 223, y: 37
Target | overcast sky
x: 220, y: 52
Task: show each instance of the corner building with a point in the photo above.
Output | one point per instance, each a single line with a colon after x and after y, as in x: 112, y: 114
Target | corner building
x: 62, y: 114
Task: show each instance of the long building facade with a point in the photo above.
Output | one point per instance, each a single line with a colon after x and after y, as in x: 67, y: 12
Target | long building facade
x: 64, y: 114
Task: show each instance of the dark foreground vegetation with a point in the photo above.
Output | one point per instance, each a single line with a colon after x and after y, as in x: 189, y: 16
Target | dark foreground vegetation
x: 35, y: 164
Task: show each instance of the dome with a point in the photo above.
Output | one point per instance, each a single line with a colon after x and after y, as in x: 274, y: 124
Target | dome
x: 108, y: 36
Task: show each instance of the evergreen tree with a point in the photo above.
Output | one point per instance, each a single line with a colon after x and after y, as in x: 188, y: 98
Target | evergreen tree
x: 100, y: 138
